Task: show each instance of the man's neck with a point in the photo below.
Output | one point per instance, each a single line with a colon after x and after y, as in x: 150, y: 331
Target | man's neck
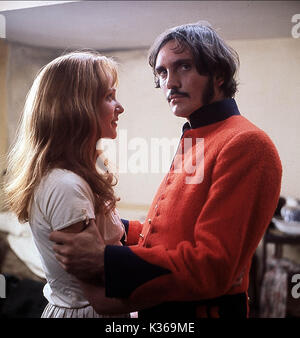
x: 214, y: 112
x: 217, y: 98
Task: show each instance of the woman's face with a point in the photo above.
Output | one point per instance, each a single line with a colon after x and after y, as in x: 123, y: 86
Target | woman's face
x: 109, y: 111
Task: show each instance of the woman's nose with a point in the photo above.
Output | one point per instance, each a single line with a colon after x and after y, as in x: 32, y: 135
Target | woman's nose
x: 119, y: 108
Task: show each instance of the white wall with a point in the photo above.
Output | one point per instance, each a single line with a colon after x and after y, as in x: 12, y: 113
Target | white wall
x: 24, y: 62
x: 269, y: 96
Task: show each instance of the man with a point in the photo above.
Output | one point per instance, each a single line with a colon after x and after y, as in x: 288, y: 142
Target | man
x: 191, y: 258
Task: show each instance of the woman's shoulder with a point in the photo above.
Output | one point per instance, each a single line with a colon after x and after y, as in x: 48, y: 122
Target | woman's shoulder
x: 61, y: 180
x: 61, y: 186
x: 64, y: 178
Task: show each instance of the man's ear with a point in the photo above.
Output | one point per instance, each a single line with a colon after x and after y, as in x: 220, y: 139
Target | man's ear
x: 218, y: 80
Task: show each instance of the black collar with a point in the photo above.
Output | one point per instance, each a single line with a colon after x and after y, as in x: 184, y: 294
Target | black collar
x: 212, y: 113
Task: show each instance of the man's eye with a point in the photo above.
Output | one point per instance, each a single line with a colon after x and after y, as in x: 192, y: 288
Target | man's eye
x: 186, y: 66
x: 162, y: 73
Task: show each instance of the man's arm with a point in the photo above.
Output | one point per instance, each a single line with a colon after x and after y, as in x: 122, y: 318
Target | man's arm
x: 96, y: 295
x: 102, y: 304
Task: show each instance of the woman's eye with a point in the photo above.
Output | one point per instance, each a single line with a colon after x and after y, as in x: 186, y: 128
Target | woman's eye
x: 110, y: 96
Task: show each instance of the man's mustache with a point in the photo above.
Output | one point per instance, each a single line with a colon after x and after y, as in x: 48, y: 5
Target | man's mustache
x: 176, y: 92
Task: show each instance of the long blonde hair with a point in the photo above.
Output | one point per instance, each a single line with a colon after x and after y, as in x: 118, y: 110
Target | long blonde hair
x: 60, y: 127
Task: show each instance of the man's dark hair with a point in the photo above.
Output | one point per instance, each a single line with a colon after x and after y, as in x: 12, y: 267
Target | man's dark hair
x: 211, y: 54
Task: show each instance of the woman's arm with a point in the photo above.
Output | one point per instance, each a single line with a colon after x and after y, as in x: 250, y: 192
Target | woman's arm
x: 79, y: 249
x: 76, y: 227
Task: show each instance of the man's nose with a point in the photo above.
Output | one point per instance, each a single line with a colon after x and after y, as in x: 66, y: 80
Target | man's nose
x: 172, y: 81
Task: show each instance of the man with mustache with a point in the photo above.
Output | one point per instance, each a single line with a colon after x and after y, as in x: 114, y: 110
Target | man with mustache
x: 191, y: 257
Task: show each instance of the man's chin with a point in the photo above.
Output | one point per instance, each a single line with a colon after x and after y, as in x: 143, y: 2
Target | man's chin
x: 180, y: 113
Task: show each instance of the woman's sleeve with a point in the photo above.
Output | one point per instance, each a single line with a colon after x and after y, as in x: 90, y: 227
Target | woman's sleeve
x: 67, y: 201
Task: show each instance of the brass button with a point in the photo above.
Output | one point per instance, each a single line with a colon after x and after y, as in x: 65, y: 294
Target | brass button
x: 141, y: 235
x: 149, y: 220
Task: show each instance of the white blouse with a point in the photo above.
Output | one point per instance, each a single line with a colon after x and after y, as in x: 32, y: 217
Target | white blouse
x: 61, y: 199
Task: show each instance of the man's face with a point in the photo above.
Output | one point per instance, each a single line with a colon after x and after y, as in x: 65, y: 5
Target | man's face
x: 184, y: 88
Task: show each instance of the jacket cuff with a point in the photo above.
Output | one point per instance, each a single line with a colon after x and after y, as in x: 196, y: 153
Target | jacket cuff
x: 133, y: 234
x: 126, y: 226
x: 125, y: 271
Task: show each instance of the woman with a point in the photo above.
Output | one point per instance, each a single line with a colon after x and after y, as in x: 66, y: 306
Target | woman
x: 53, y: 179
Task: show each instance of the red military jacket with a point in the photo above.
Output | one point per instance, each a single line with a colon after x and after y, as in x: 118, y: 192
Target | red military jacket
x: 207, y: 218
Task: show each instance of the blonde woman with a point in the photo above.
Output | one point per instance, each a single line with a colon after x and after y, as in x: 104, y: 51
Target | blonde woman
x: 53, y: 180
